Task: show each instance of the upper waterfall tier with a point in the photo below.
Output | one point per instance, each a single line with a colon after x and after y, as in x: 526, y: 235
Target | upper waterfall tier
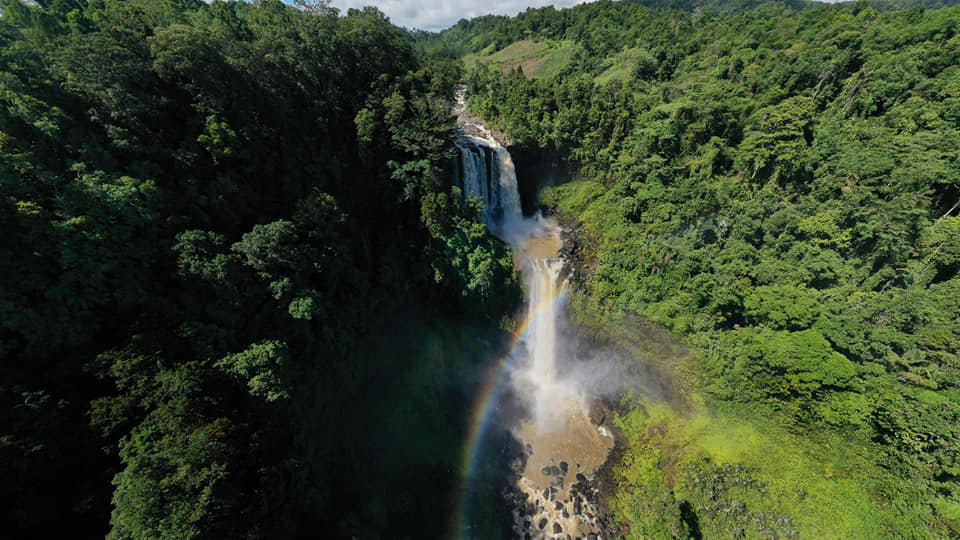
x: 485, y: 170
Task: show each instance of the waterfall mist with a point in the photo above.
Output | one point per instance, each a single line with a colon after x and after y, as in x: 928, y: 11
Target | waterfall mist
x: 549, y: 377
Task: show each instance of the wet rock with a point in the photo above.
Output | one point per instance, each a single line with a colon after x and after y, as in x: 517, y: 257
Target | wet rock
x: 545, y: 471
x: 598, y: 413
x: 591, y: 536
x: 581, y: 478
x: 543, y: 523
x: 557, y: 529
x: 566, y: 515
x: 577, y: 506
x: 546, y: 493
x: 564, y: 468
x: 529, y: 450
x: 558, y: 506
x: 526, y: 524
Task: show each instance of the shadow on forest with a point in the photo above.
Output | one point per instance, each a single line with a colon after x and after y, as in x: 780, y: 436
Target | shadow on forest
x: 385, y: 439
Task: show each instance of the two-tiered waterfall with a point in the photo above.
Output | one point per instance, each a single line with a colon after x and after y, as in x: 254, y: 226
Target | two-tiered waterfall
x: 562, y: 447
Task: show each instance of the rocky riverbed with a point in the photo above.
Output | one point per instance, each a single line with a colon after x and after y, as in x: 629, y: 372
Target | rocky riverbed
x: 559, y: 491
x: 471, y: 125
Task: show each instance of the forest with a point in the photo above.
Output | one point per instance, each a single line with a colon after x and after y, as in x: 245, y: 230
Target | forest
x: 240, y: 296
x: 205, y: 209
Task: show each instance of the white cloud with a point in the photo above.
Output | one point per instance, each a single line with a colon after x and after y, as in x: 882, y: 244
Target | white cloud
x: 439, y: 14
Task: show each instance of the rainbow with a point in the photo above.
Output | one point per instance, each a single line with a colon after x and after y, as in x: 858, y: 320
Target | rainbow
x: 482, y: 412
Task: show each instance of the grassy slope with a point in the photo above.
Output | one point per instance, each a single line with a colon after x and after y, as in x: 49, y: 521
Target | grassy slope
x: 827, y: 487
x: 536, y: 59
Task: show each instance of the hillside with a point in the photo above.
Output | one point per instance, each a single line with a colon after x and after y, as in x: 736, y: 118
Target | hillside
x: 779, y: 189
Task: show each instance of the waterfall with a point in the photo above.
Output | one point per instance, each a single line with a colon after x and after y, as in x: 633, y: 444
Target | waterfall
x: 543, y: 311
x: 486, y: 171
x: 561, y: 443
x: 508, y: 190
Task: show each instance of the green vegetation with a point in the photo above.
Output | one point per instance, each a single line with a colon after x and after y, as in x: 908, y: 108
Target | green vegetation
x: 780, y: 189
x: 533, y: 59
x: 732, y: 473
x: 239, y: 297
x: 229, y: 237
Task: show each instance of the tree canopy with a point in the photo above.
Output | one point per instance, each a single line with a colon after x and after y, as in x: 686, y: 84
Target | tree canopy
x: 205, y: 206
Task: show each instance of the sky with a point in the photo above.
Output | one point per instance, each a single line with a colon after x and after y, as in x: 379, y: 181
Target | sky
x: 440, y: 14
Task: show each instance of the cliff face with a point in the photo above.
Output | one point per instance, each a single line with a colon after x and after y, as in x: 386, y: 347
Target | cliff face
x: 538, y: 168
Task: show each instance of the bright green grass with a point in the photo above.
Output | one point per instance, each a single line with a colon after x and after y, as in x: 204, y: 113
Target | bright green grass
x: 829, y: 487
x: 535, y: 58
x: 621, y: 66
x: 518, y: 51
x: 574, y: 196
x: 555, y: 60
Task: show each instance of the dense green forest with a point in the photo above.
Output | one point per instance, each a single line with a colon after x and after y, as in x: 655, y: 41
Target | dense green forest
x: 780, y: 189
x: 239, y: 297
x: 222, y: 224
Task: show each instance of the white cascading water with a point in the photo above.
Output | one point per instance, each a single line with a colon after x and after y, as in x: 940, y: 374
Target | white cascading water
x: 544, y: 287
x: 559, y: 437
x: 486, y: 171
